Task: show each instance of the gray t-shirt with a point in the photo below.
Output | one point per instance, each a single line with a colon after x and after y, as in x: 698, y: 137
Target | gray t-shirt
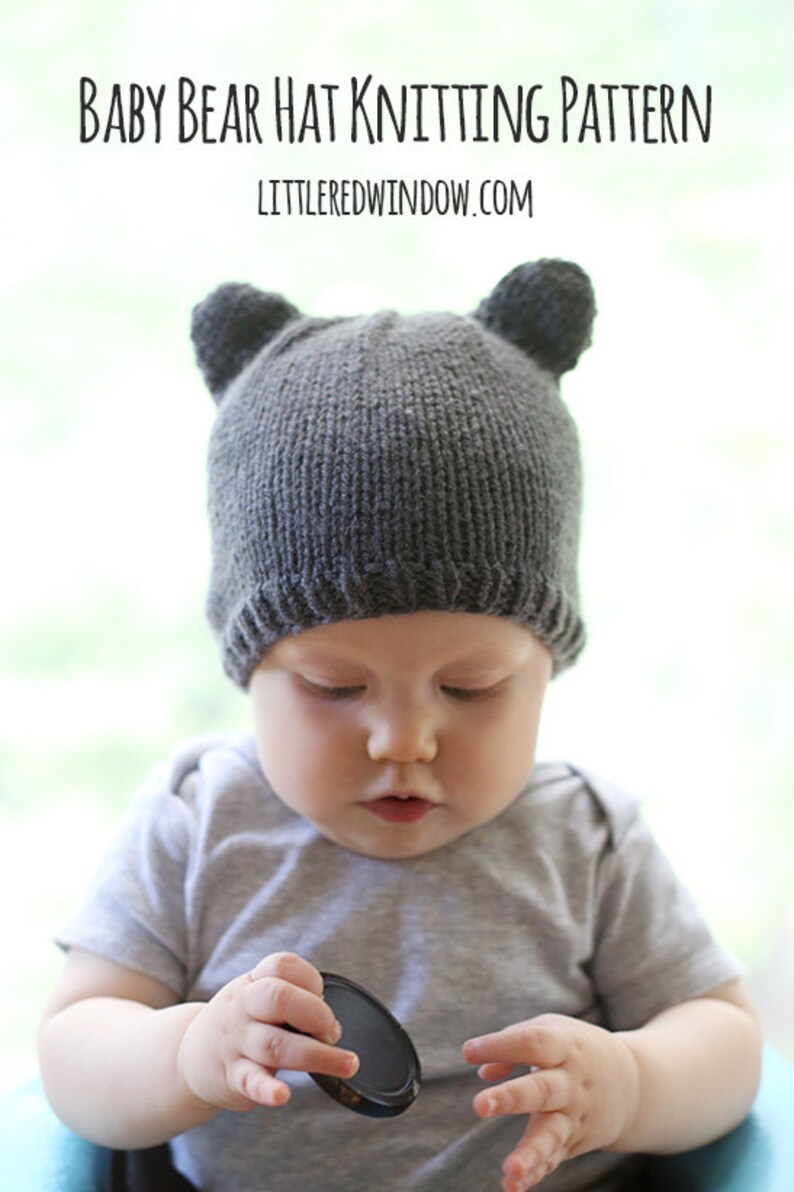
x: 563, y: 903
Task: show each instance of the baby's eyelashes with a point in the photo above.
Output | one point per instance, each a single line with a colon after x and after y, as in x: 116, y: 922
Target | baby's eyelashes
x: 470, y: 693
x: 325, y: 692
x: 351, y: 692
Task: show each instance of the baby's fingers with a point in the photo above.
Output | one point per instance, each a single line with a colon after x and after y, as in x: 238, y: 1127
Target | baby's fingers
x: 544, y: 1145
x: 542, y: 1092
x: 256, y: 1084
x: 273, y: 1000
x: 522, y: 1043
x: 275, y: 1048
x: 494, y: 1071
x: 287, y: 966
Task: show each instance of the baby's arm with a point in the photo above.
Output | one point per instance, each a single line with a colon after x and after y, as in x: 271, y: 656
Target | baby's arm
x: 686, y: 1077
x: 125, y: 1065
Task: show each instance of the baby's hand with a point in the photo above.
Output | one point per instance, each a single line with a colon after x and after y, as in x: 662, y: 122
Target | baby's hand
x: 232, y: 1049
x: 582, y: 1097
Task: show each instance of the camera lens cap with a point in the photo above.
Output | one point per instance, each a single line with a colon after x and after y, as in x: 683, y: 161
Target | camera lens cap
x: 388, y: 1079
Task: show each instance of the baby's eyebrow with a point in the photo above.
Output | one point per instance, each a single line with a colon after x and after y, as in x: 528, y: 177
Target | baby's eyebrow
x: 468, y: 664
x: 312, y: 656
x: 472, y: 658
x: 471, y: 668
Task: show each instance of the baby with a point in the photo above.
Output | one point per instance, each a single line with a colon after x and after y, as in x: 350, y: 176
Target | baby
x: 394, y: 504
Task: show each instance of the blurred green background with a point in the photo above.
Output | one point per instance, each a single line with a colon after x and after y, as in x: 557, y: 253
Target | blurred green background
x: 685, y: 691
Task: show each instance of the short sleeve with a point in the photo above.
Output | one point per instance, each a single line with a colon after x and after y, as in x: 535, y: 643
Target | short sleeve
x: 653, y: 947
x: 133, y: 911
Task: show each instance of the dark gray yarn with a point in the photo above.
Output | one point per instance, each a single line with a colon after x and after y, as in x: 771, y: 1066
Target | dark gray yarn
x: 389, y: 464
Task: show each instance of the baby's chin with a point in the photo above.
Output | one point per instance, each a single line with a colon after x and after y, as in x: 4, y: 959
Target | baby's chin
x: 393, y: 842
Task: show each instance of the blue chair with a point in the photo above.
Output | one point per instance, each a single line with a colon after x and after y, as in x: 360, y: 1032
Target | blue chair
x: 39, y: 1154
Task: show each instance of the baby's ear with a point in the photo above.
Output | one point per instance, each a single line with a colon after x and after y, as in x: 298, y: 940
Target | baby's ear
x: 546, y: 308
x: 230, y: 326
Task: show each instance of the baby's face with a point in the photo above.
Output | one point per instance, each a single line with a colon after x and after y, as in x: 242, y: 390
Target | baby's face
x: 397, y: 735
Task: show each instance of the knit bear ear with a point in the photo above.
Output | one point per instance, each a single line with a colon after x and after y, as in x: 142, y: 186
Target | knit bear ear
x: 230, y: 326
x: 546, y: 308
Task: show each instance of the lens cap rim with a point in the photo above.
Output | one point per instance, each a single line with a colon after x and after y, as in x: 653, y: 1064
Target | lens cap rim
x: 372, y: 1102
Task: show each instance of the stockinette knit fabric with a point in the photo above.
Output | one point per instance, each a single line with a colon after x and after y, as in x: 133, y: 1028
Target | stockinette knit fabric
x: 387, y: 464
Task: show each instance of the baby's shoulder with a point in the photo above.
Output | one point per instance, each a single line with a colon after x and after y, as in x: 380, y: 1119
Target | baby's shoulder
x: 220, y: 760
x: 204, y: 775
x: 581, y: 802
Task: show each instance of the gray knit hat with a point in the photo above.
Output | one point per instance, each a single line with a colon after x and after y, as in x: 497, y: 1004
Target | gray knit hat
x: 388, y: 464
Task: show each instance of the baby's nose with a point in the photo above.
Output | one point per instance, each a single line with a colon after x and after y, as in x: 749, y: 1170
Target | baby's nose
x: 402, y: 734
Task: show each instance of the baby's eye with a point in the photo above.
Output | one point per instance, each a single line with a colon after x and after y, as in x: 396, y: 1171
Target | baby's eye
x: 470, y: 693
x: 332, y: 692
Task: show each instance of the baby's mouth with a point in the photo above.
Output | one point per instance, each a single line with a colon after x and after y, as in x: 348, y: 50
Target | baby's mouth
x: 399, y: 809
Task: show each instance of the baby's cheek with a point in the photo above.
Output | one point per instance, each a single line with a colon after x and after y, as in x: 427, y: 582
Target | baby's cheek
x: 508, y: 748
